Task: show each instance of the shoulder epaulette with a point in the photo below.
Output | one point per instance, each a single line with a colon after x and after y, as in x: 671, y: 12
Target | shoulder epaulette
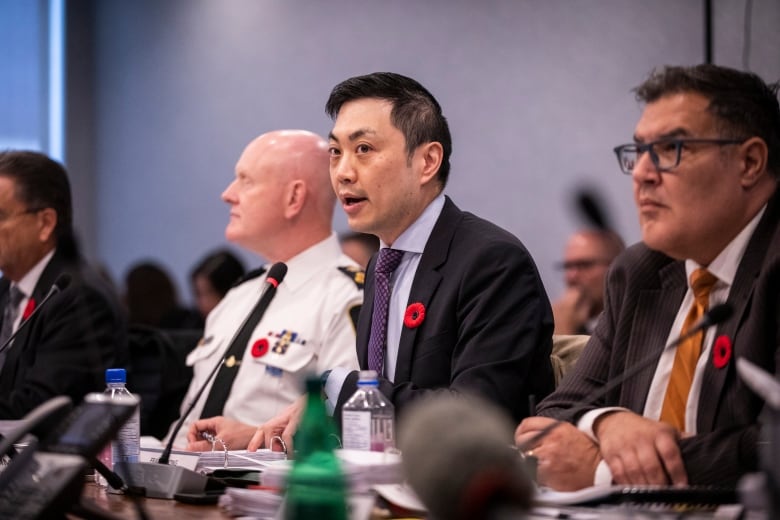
x: 251, y: 274
x: 355, y: 273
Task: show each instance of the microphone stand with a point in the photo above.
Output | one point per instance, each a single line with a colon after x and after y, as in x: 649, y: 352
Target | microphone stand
x: 718, y: 314
x: 762, y: 490
x: 163, y: 480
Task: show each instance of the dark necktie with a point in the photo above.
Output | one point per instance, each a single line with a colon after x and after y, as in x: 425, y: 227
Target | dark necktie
x: 10, y: 312
x: 386, y: 264
x: 223, y: 383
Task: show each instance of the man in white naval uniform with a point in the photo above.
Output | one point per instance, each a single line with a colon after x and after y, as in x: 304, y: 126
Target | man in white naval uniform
x: 282, y: 209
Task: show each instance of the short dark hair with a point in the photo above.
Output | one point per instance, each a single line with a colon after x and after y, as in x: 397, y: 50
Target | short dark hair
x: 416, y: 113
x: 40, y: 183
x: 221, y: 268
x: 742, y: 102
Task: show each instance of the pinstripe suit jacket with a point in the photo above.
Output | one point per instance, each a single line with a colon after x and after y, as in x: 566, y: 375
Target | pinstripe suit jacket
x: 644, y: 292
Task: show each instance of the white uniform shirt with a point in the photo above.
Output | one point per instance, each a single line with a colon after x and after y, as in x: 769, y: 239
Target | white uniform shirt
x: 306, y: 329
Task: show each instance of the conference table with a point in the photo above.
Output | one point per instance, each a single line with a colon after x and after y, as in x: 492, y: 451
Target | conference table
x: 123, y: 507
x: 156, y: 508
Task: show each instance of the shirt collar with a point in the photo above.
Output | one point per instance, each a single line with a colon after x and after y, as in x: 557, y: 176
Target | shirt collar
x: 414, y: 238
x: 30, y: 280
x: 306, y: 264
x: 725, y: 265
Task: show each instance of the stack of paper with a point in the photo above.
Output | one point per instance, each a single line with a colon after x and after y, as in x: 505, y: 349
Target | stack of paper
x: 211, y: 460
x: 256, y: 503
x: 363, y: 469
x: 208, y: 461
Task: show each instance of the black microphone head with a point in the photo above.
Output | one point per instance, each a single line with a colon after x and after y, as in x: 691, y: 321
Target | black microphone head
x: 719, y: 313
x: 458, y: 458
x: 277, y: 273
x: 593, y: 209
x: 63, y: 281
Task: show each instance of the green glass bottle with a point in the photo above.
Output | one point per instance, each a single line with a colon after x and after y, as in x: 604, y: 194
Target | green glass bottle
x: 316, y: 487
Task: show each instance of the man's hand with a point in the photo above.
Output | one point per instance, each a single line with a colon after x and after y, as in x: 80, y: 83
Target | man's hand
x: 233, y: 433
x: 567, y: 458
x: 640, y: 451
x: 571, y: 311
x: 283, y: 425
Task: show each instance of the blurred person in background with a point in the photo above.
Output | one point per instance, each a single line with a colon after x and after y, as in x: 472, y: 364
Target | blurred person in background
x: 586, y: 260
x: 212, y: 277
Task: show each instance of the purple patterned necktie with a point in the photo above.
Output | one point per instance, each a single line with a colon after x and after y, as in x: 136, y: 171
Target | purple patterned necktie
x: 386, y: 263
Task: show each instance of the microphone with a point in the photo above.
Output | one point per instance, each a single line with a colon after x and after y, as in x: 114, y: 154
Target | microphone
x: 592, y: 209
x: 715, y: 316
x: 490, y: 481
x: 163, y: 480
x: 60, y: 284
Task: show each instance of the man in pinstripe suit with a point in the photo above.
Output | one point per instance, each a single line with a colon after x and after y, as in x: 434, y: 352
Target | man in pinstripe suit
x: 705, y: 164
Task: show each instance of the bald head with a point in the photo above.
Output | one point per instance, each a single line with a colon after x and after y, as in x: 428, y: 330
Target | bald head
x: 281, y: 199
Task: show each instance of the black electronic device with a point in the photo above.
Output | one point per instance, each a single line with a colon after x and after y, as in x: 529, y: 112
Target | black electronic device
x: 46, y: 478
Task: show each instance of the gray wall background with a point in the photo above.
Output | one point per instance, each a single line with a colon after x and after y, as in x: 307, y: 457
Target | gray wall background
x: 164, y: 95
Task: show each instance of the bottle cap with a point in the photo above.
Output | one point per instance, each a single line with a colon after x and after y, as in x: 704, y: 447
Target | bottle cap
x: 367, y: 376
x: 116, y: 375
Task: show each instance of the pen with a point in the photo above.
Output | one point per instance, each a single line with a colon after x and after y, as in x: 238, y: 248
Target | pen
x: 531, y: 405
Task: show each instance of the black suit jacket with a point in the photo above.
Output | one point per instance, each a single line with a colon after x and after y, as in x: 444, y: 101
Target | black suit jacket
x: 488, y: 323
x: 644, y: 293
x: 67, y: 346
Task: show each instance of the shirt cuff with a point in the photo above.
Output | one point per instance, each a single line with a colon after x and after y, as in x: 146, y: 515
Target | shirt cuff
x: 603, y: 476
x: 585, y: 424
x: 333, y: 384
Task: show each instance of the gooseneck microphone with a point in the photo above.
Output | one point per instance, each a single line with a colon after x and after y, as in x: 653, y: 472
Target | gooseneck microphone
x: 163, y: 480
x: 716, y: 315
x: 62, y: 282
x: 489, y: 481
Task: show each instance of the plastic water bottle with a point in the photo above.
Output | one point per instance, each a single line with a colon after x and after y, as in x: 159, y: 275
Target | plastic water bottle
x: 316, y: 487
x: 127, y: 444
x: 368, y: 418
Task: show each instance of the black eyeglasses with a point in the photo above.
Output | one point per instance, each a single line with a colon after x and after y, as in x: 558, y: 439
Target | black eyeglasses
x: 665, y: 153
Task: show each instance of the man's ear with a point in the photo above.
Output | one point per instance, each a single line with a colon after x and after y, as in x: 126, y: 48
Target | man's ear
x: 295, y: 197
x: 753, y: 156
x: 47, y: 222
x: 431, y: 154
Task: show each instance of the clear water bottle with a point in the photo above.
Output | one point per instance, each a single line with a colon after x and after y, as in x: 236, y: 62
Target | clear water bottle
x: 368, y: 418
x: 127, y: 444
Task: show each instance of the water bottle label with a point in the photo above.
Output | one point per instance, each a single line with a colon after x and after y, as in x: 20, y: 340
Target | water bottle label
x: 356, y: 430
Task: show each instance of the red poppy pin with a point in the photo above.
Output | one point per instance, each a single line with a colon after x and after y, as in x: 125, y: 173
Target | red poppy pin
x: 260, y: 348
x: 28, y: 310
x: 721, y: 352
x: 415, y: 315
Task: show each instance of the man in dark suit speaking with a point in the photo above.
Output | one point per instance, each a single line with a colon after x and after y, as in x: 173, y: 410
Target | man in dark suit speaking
x: 65, y: 347
x: 705, y: 164
x: 452, y: 302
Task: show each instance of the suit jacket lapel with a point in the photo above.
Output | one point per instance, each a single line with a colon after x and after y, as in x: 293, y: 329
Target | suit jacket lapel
x: 651, y: 330
x: 42, y: 287
x: 739, y: 297
x: 366, y: 310
x: 426, y: 281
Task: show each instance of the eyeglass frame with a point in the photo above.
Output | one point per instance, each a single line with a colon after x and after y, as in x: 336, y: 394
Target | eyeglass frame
x: 678, y: 142
x: 581, y: 265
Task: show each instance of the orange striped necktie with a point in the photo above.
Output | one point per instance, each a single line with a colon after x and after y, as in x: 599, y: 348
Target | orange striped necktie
x: 688, y: 352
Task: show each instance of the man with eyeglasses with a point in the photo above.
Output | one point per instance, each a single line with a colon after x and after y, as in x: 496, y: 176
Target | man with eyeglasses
x: 587, y: 257
x: 705, y: 164
x: 63, y: 346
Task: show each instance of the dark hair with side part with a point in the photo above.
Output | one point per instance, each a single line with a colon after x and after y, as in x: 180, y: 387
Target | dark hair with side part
x: 40, y: 183
x: 416, y: 113
x: 222, y: 269
x: 742, y: 102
